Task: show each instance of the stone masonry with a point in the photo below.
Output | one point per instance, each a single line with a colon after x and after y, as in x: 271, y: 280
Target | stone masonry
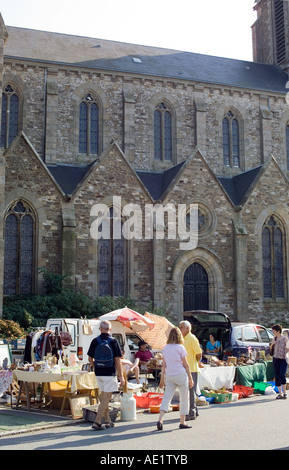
x: 52, y: 82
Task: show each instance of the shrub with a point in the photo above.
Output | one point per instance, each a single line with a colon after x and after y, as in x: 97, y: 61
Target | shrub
x: 10, y: 330
x: 34, y: 310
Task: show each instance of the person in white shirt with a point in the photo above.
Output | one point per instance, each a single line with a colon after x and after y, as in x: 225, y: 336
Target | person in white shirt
x: 175, y: 374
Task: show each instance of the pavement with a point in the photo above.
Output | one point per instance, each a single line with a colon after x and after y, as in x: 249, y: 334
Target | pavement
x: 20, y: 421
x: 255, y: 423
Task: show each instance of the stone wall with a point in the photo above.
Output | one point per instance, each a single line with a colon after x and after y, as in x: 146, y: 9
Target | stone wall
x: 229, y: 248
x: 27, y: 178
x: 127, y: 106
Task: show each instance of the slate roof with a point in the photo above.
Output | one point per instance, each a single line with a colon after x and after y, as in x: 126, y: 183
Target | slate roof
x: 69, y: 176
x: 237, y: 187
x: 157, y: 182
x: 115, y: 56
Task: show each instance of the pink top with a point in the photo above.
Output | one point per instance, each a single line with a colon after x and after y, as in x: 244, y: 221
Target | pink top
x: 144, y: 356
x: 173, y: 355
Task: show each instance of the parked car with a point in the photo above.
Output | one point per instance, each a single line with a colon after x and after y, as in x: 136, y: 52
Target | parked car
x: 285, y: 331
x: 235, y: 338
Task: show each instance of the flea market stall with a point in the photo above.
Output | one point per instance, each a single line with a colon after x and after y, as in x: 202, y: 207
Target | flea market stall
x: 49, y: 380
x: 222, y: 382
x: 64, y: 384
x: 52, y: 380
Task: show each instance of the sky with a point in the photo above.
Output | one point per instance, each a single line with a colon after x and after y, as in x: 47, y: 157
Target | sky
x: 215, y: 27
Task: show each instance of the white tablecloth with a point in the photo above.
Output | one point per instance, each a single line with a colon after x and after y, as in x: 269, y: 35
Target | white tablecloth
x: 216, y: 377
x: 79, y: 379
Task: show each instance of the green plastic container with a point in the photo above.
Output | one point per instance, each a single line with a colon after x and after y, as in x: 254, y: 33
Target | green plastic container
x: 260, y: 387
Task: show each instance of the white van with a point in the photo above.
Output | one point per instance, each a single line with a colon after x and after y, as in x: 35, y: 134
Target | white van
x: 126, y: 337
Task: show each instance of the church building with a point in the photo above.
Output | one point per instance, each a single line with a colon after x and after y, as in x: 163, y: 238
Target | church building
x: 97, y: 134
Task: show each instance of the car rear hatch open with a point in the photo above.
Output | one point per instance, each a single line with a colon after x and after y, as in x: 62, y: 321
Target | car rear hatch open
x: 208, y: 319
x: 205, y: 322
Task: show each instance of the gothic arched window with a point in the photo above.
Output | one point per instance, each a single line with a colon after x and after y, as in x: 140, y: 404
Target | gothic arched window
x: 9, y: 116
x: 273, y: 247
x: 19, y: 253
x: 88, y: 125
x: 231, y: 140
x: 162, y: 133
x: 112, y: 259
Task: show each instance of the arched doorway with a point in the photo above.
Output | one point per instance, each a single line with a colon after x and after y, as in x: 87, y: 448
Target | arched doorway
x: 196, y: 288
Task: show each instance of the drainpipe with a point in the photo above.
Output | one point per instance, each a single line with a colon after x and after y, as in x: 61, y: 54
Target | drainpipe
x: 44, y: 117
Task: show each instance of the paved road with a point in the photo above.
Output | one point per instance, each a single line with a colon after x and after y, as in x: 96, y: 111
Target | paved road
x: 254, y: 423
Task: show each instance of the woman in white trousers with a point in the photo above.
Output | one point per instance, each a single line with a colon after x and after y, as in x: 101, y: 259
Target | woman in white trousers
x: 175, y: 374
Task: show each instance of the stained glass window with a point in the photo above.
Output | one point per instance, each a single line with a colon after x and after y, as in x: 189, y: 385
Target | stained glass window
x: 9, y: 116
x: 88, y: 125
x: 19, y: 250
x: 112, y: 262
x: 226, y: 142
x: 162, y: 133
x: 273, y: 244
x: 231, y: 140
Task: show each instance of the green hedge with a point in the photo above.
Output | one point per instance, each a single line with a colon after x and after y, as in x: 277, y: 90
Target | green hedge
x: 33, y: 311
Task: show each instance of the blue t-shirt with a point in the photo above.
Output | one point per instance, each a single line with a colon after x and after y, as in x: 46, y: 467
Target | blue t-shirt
x: 211, y: 346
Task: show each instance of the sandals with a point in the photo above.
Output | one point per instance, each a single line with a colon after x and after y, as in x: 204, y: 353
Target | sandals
x: 97, y: 427
x: 100, y: 427
x: 280, y: 397
x: 109, y: 425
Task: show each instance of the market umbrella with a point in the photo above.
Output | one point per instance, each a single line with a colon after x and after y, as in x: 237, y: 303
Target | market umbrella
x: 129, y: 318
x: 157, y: 338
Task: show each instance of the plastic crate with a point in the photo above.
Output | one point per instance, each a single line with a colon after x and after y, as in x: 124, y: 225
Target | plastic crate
x: 222, y: 397
x: 260, y: 387
x: 145, y: 400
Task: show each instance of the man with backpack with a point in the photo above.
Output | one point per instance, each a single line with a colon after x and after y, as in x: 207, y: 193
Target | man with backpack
x: 104, y: 356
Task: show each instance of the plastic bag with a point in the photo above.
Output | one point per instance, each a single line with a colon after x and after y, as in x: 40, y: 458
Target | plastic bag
x: 270, y: 391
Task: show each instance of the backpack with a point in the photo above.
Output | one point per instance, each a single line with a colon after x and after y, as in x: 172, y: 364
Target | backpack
x: 103, y: 354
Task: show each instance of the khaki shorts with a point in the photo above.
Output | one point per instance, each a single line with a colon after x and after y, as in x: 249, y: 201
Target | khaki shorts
x: 107, y: 384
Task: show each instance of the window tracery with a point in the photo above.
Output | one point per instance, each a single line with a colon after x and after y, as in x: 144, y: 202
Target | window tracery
x: 9, y: 116
x: 162, y: 133
x: 273, y: 249
x: 231, y: 140
x: 19, y: 249
x: 88, y: 125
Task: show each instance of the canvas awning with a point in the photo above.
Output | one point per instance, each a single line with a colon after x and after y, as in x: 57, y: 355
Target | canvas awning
x: 157, y: 338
